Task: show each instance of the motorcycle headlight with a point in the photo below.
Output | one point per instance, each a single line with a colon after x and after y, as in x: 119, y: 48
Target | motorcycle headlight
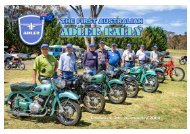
x: 60, y: 83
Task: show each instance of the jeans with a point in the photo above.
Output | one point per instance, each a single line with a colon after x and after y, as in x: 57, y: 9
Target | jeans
x: 90, y: 70
x: 129, y: 64
x: 67, y: 75
x: 141, y: 62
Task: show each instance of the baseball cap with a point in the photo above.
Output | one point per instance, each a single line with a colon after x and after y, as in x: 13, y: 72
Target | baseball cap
x: 69, y: 45
x: 113, y: 44
x: 101, y: 42
x: 92, y: 45
x: 142, y: 45
x: 129, y: 45
x: 155, y: 46
x: 44, y: 45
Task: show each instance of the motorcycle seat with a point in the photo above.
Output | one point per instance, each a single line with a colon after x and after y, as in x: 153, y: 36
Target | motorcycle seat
x: 23, y: 86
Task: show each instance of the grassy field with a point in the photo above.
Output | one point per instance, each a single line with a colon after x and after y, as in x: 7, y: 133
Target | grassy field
x: 167, y: 108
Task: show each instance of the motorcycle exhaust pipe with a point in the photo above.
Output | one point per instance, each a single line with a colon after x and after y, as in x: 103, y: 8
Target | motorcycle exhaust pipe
x: 26, y: 114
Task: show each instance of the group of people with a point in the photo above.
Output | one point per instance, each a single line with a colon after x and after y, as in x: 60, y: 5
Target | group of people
x: 94, y: 60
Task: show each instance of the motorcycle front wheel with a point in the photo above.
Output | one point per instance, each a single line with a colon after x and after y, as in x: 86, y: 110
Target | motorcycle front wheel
x: 178, y: 74
x: 117, y: 94
x: 150, y: 84
x: 22, y: 66
x: 94, y: 102
x: 71, y: 113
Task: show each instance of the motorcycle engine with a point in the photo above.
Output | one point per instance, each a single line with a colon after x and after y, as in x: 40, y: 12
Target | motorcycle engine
x: 36, y: 106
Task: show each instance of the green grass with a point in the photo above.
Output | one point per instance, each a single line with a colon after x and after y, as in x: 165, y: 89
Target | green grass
x: 169, y: 104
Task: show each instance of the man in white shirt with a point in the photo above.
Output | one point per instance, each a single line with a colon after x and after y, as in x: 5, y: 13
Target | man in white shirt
x: 154, y: 55
x: 128, y: 57
x: 141, y: 55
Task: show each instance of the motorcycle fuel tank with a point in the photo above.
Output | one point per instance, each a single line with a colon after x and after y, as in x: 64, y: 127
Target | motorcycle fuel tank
x: 43, y: 89
x: 98, y: 78
x: 135, y: 70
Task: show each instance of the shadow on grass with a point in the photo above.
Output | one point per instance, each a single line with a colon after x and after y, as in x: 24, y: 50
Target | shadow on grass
x: 52, y: 119
x: 124, y: 103
x: 158, y: 91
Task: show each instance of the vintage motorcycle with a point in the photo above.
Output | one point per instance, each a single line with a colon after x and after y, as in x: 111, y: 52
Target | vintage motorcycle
x: 145, y: 77
x: 159, y: 71
x: 113, y: 88
x: 90, y: 96
x: 130, y: 83
x: 14, y: 64
x: 27, y: 99
x: 175, y: 73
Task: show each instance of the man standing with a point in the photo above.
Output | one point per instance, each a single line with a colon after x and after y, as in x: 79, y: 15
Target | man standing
x: 45, y: 65
x: 141, y: 55
x: 128, y: 57
x: 67, y: 63
x: 114, y: 58
x: 154, y: 55
x: 90, y: 61
x: 102, y: 57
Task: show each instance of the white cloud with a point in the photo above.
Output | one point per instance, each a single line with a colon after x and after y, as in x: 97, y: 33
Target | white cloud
x: 177, y: 24
x: 150, y: 20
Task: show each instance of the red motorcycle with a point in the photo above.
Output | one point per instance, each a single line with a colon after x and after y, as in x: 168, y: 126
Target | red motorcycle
x: 175, y: 73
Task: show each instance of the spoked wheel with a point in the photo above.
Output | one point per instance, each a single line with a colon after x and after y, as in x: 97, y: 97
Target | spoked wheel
x: 7, y: 66
x: 182, y: 61
x: 94, y: 102
x: 150, y: 84
x: 117, y: 94
x: 70, y: 113
x: 13, y: 106
x: 160, y: 76
x: 178, y: 74
x: 132, y: 88
x: 22, y: 66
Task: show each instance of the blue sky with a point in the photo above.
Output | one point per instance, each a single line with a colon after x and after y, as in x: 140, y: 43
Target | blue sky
x: 170, y: 18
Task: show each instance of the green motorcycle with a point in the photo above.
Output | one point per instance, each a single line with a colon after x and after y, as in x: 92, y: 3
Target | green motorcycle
x: 146, y: 77
x: 113, y: 88
x: 32, y: 100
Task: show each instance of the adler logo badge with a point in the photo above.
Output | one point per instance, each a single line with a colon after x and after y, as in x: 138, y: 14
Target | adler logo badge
x: 31, y: 29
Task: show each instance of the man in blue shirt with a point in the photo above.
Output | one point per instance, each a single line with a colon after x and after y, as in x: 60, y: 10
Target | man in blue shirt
x: 67, y: 63
x: 114, y: 58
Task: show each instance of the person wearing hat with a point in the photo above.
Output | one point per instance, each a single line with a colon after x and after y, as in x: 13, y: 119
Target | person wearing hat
x: 102, y: 57
x: 141, y: 56
x: 67, y: 63
x: 90, y: 61
x: 45, y: 65
x: 114, y: 58
x: 154, y: 55
x: 128, y: 57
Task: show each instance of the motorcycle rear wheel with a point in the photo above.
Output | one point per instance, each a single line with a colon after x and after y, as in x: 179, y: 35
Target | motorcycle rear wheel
x: 22, y: 66
x: 161, y: 76
x: 132, y: 88
x: 117, y: 94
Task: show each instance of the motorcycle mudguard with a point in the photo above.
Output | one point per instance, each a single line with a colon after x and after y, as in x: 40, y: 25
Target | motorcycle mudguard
x: 159, y: 70
x: 115, y: 81
x: 128, y: 78
x: 69, y: 94
x: 94, y: 87
x: 8, y: 97
x: 66, y: 94
x: 150, y: 72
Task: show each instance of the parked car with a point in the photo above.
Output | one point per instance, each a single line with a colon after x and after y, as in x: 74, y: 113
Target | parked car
x: 19, y: 54
x: 163, y: 54
x: 7, y: 57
